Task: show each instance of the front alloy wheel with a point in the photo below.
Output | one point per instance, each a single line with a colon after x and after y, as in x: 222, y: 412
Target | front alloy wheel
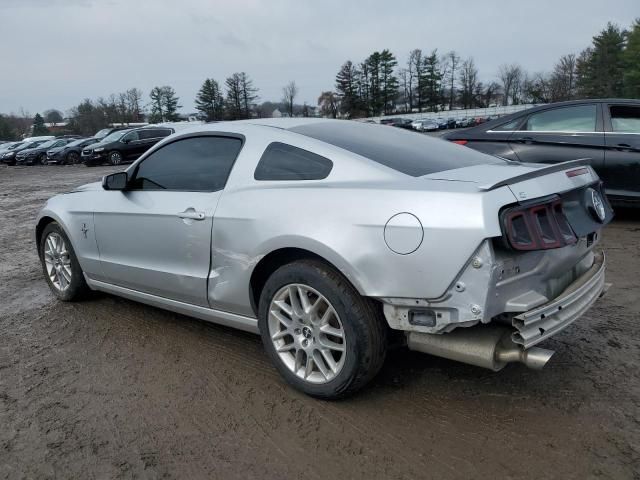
x: 57, y: 261
x: 43, y: 159
x: 307, y: 333
x: 60, y: 264
x: 115, y: 158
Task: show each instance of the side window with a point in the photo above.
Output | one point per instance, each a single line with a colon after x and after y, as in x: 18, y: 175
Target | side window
x: 581, y: 118
x: 164, y: 133
x: 130, y: 137
x: 285, y: 162
x: 196, y: 164
x: 625, y: 118
x: 147, y: 133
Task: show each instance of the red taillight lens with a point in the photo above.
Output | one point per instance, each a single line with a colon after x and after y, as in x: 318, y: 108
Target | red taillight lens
x: 538, y: 227
x: 460, y: 142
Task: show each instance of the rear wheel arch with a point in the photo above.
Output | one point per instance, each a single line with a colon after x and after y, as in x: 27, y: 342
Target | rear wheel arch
x: 276, y: 259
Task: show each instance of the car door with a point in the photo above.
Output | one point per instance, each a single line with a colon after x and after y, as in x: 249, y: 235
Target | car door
x: 155, y: 236
x: 561, y: 133
x: 621, y: 174
x: 131, y: 146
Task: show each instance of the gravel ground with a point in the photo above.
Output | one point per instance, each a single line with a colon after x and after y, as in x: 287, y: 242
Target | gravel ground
x: 113, y: 389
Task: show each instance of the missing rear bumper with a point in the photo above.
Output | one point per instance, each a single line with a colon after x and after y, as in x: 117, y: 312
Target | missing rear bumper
x: 546, y: 320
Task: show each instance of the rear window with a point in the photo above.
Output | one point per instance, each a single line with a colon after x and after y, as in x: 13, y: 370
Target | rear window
x: 411, y: 153
x: 285, y: 162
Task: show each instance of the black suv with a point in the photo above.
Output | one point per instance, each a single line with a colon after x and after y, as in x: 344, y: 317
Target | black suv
x: 123, y: 145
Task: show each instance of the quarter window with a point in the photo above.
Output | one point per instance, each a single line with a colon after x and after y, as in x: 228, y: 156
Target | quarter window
x: 285, y: 162
x: 581, y: 118
x: 509, y: 126
x: 196, y: 164
x: 625, y: 118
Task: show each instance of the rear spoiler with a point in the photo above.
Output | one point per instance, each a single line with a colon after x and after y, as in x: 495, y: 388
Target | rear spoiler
x: 537, y: 172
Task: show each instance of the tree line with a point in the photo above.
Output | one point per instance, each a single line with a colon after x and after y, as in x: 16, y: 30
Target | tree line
x: 377, y: 85
x: 609, y: 67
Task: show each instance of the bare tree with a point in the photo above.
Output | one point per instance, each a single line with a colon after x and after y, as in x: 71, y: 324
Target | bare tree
x: 289, y: 94
x: 511, y: 78
x: 453, y: 62
x: 329, y: 104
x: 134, y: 101
x: 468, y: 83
x: 563, y: 79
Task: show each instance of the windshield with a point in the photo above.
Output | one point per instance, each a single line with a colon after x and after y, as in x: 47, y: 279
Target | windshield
x: 35, y: 144
x: 102, y: 132
x: 47, y: 144
x: 115, y: 136
x: 75, y: 143
x: 13, y: 147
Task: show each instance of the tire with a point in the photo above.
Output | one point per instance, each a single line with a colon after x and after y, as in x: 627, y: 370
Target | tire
x: 72, y: 158
x: 42, y: 159
x: 358, y: 319
x: 76, y: 288
x: 115, y: 158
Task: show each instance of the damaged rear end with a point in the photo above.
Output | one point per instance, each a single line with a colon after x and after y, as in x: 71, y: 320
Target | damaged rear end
x: 533, y: 281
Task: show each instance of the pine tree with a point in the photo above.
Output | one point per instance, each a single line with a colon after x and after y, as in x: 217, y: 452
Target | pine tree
x: 601, y: 67
x: 209, y: 101
x: 388, y: 81
x: 631, y: 62
x: 347, y: 90
x: 430, y: 82
x: 39, y: 128
x: 157, y: 105
x: 164, y: 105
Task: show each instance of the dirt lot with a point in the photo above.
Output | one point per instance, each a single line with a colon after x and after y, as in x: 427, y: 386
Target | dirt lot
x: 113, y: 389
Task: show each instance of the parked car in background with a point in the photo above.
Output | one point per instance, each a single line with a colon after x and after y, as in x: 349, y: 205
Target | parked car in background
x: 467, y: 256
x: 123, y: 145
x: 7, y: 145
x: 442, y: 123
x: 604, y: 131
x: 70, y: 153
x: 402, y: 123
x: 425, y: 125
x: 9, y: 157
x: 38, y: 155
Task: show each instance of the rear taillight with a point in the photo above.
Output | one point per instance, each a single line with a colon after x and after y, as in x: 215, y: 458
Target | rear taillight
x: 460, y: 142
x: 537, y: 227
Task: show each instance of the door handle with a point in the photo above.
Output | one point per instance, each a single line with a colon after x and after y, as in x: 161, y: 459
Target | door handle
x: 525, y: 140
x: 191, y: 214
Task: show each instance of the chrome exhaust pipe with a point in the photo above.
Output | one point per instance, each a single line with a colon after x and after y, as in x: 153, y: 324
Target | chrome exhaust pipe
x: 486, y: 346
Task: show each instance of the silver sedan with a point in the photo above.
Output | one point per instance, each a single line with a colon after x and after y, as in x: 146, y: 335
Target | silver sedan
x: 330, y: 238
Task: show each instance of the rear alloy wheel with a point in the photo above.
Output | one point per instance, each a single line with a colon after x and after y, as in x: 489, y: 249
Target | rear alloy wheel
x: 307, y: 333
x: 324, y: 338
x: 115, y: 158
x: 42, y: 159
x: 73, y: 158
x: 60, y: 264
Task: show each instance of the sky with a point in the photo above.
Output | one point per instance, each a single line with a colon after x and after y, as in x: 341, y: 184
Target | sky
x: 55, y: 53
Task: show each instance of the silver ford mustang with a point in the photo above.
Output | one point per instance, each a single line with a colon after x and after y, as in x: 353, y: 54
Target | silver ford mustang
x: 331, y: 238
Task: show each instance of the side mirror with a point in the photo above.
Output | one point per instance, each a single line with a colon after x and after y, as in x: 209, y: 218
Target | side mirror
x: 126, y: 140
x: 115, y: 181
